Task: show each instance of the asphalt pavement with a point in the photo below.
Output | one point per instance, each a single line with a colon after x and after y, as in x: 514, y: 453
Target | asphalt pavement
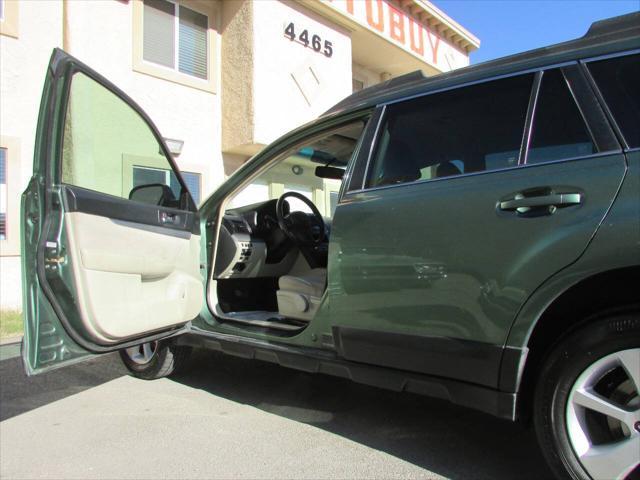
x: 233, y: 418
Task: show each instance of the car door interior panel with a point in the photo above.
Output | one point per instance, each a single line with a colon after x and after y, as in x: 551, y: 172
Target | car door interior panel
x: 155, y: 276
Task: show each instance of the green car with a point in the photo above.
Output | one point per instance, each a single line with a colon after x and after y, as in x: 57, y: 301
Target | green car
x: 473, y: 236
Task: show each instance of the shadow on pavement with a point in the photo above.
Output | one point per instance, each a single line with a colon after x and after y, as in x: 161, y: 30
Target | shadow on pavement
x: 20, y: 393
x: 452, y: 441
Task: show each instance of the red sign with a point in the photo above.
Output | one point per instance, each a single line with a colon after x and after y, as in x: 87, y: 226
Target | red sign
x: 390, y: 22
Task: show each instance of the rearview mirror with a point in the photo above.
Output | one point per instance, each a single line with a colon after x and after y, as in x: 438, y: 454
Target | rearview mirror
x: 330, y: 172
x: 153, y: 194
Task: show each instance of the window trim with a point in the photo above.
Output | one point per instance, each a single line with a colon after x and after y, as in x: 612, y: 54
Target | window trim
x: 10, y: 21
x: 529, y: 119
x: 212, y: 12
x: 10, y: 245
x: 358, y: 169
x: 584, y: 66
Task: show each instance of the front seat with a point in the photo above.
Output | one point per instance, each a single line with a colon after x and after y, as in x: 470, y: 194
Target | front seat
x: 299, y: 295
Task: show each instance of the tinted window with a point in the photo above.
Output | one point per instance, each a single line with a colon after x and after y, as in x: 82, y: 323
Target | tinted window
x: 465, y: 130
x: 558, y: 128
x: 619, y: 81
x: 107, y: 146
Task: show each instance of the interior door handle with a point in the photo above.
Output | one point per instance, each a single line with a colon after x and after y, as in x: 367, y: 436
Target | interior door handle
x: 553, y: 200
x: 167, y: 218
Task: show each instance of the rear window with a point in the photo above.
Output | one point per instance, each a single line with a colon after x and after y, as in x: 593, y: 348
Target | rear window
x: 619, y: 82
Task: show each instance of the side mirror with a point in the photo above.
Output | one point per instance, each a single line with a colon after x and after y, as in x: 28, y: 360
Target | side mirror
x: 330, y: 172
x: 153, y: 194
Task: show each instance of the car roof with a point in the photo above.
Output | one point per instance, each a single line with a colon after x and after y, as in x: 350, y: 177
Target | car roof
x: 603, y: 37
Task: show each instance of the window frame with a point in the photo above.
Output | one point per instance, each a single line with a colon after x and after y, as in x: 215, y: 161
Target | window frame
x: 10, y: 21
x: 10, y: 245
x: 174, y: 75
x: 584, y: 66
x: 589, y: 112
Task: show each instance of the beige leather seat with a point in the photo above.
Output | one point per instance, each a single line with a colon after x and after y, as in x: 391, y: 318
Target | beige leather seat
x: 299, y: 295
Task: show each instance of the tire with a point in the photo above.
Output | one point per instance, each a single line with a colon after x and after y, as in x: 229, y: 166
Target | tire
x: 154, y: 360
x: 601, y: 358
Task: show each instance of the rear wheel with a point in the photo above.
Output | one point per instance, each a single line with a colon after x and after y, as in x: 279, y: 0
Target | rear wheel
x: 153, y: 360
x: 587, y: 404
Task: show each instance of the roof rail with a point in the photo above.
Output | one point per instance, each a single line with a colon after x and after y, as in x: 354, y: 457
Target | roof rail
x: 395, y: 82
x: 622, y: 22
x: 406, y: 78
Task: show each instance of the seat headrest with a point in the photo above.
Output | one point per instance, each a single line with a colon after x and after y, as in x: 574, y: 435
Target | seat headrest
x: 400, y: 165
x: 447, y: 169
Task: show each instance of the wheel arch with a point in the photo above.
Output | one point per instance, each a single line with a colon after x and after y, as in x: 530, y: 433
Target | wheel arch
x: 610, y: 292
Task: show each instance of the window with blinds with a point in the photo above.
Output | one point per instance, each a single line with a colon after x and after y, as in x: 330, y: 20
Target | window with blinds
x: 175, y: 37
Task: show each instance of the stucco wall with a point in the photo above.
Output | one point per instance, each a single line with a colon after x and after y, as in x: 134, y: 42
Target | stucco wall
x: 23, y: 64
x: 279, y: 104
x: 365, y: 75
x: 237, y: 74
x: 99, y: 33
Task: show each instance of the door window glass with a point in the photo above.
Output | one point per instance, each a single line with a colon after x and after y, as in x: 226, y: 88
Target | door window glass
x: 147, y: 176
x: 469, y: 129
x: 558, y: 128
x: 618, y: 80
x: 107, y: 146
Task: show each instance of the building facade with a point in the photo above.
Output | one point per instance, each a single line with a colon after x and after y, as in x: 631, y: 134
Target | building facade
x: 220, y: 78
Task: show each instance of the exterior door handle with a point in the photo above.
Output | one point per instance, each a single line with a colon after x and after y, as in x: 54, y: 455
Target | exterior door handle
x: 523, y: 204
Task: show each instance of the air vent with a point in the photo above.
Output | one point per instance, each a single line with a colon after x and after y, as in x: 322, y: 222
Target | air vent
x: 236, y: 225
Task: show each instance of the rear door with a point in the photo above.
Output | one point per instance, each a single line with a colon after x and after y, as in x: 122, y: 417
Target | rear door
x: 111, y: 242
x: 472, y: 198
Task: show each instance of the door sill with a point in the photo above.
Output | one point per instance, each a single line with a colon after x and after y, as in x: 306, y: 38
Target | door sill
x: 262, y: 319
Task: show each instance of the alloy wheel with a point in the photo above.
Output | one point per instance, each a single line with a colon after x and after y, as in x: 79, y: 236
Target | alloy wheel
x: 143, y: 353
x: 603, y: 416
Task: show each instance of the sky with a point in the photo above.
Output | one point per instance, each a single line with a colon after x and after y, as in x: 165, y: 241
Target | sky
x: 506, y: 27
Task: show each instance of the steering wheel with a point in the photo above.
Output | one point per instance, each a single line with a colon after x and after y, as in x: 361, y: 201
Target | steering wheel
x: 302, y: 228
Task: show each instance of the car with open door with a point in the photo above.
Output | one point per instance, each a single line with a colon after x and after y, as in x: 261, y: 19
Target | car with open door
x: 473, y: 236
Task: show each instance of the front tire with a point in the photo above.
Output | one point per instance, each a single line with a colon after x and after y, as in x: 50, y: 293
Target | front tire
x: 587, y: 402
x: 153, y: 360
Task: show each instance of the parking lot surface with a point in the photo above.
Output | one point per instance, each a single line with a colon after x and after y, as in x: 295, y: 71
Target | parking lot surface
x: 233, y: 418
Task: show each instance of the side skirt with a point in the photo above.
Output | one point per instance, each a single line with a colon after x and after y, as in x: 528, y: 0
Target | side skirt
x: 493, y: 402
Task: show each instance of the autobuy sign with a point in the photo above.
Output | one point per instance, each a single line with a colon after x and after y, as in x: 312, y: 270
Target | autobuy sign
x: 405, y: 31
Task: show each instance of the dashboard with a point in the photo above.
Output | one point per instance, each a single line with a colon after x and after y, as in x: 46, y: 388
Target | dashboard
x: 251, y: 244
